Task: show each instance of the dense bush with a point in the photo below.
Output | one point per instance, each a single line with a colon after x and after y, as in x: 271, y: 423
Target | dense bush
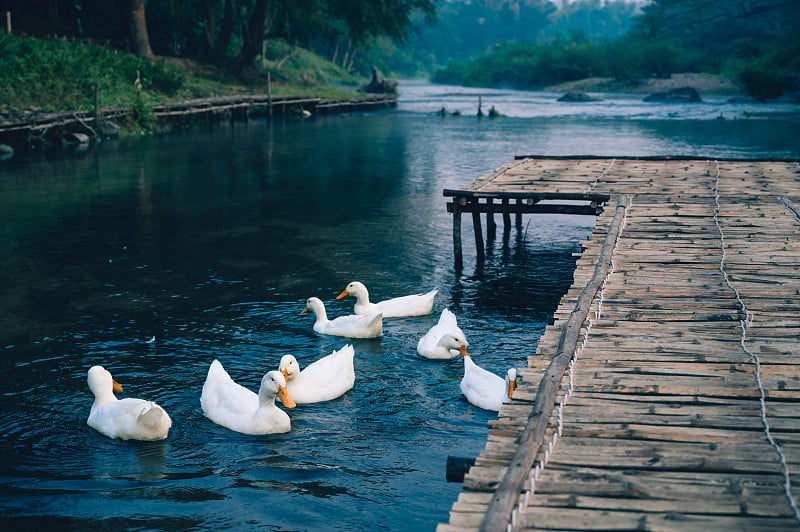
x: 528, y: 66
x: 762, y: 80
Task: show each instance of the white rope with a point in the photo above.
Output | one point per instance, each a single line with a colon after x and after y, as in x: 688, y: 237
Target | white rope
x: 790, y: 208
x: 745, y: 325
x: 600, y: 176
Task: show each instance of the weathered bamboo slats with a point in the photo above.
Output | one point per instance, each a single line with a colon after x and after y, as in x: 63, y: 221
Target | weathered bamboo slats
x: 31, y: 128
x: 679, y: 407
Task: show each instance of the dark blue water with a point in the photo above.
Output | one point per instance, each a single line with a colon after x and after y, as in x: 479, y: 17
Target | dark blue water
x: 211, y: 240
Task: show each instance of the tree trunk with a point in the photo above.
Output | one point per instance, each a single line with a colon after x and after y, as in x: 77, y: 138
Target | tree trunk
x: 225, y: 31
x: 209, y: 26
x: 137, y: 26
x: 217, y: 43
x: 253, y: 35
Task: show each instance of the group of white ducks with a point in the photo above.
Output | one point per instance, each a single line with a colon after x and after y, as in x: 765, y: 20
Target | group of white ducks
x: 233, y: 406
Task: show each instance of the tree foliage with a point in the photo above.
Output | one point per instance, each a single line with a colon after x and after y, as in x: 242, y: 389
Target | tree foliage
x: 756, y: 40
x: 226, y: 31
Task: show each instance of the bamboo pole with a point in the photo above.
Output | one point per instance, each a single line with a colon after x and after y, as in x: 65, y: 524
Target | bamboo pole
x: 491, y: 226
x: 269, y: 93
x: 476, y: 225
x: 459, y: 256
x: 498, y: 515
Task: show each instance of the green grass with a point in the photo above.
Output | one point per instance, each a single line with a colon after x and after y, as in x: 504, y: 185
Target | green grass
x: 61, y: 75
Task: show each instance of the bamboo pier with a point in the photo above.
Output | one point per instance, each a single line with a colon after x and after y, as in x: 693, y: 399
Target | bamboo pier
x: 666, y: 395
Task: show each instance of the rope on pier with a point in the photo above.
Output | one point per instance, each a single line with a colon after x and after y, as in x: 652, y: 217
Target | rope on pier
x: 790, y: 207
x: 745, y: 325
x: 787, y: 203
x: 600, y: 176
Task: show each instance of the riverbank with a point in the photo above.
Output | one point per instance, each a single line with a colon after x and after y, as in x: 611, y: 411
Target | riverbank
x: 35, y: 130
x: 703, y: 83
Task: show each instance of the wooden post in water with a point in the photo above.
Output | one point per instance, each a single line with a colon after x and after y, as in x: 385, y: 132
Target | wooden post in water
x: 491, y: 227
x: 8, y: 22
x: 459, y: 259
x: 457, y: 467
x: 269, y: 93
x: 476, y: 224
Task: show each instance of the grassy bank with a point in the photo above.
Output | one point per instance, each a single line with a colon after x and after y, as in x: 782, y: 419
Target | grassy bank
x: 61, y: 75
x: 703, y: 83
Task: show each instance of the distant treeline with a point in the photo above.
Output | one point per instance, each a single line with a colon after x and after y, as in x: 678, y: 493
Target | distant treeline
x: 465, y: 29
x: 757, y: 41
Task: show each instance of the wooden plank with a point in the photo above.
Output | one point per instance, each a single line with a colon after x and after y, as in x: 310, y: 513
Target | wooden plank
x: 581, y: 519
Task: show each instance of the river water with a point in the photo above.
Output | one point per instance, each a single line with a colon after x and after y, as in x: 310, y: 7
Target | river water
x: 209, y: 240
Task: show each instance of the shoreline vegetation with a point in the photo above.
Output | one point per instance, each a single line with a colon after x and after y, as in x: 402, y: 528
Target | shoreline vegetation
x: 63, y: 91
x: 702, y: 83
x: 40, y: 77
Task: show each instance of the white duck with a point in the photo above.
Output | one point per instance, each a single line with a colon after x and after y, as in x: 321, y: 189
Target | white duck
x: 444, y: 340
x: 351, y: 326
x: 484, y: 389
x: 398, y: 307
x: 235, y: 407
x: 126, y: 419
x: 325, y: 379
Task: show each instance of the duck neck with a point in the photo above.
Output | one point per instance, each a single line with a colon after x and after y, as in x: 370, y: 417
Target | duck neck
x: 102, y: 398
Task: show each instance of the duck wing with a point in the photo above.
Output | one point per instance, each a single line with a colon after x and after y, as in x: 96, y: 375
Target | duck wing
x: 355, y: 326
x: 412, y: 305
x: 326, y: 378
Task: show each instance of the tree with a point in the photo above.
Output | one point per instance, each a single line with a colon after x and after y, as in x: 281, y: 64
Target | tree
x: 137, y: 25
x: 715, y: 26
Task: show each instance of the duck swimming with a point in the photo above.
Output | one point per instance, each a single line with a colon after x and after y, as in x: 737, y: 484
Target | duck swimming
x: 126, y: 419
x: 445, y: 340
x: 484, y: 389
x: 235, y: 407
x: 325, y: 379
x: 351, y: 326
x: 398, y: 307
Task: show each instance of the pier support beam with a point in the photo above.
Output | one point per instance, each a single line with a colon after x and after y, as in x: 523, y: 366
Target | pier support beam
x: 491, y: 227
x: 479, y: 247
x: 459, y: 257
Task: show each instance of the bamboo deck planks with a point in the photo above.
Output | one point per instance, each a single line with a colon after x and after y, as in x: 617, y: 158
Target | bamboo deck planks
x: 658, y: 423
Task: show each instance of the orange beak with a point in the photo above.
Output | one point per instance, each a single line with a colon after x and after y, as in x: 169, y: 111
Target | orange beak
x: 463, y: 351
x: 304, y: 310
x: 285, y: 374
x: 512, y: 385
x: 343, y: 294
x: 117, y: 387
x: 283, y: 395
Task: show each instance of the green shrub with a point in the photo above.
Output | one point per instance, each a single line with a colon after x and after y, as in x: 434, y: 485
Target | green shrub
x: 762, y: 80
